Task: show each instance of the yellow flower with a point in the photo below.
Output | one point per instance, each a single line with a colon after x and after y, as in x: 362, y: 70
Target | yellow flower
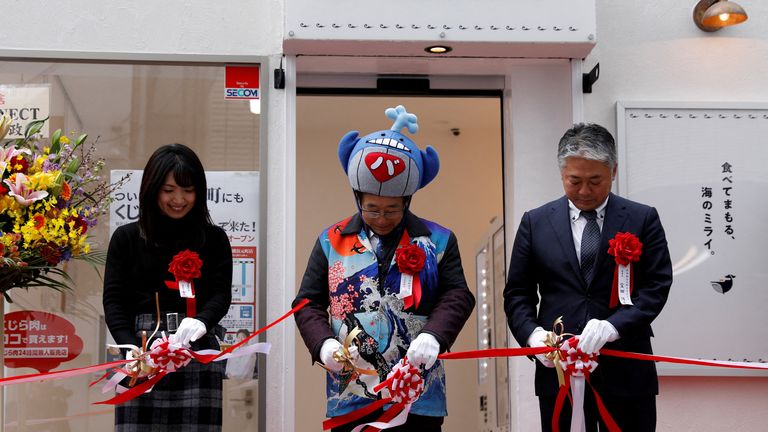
x: 42, y: 180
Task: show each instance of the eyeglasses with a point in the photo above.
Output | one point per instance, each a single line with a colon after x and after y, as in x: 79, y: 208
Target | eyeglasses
x: 375, y: 214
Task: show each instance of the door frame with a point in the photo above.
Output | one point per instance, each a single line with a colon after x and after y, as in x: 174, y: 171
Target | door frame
x: 520, y: 80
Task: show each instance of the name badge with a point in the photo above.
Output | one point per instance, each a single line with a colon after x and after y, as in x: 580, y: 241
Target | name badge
x: 624, y: 285
x: 406, y: 285
x: 185, y: 289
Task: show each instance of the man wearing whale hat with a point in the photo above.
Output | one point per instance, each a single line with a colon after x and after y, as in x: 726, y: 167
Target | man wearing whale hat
x: 384, y: 284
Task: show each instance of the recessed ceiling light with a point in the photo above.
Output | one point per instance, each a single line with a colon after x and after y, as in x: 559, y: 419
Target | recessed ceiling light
x: 438, y: 49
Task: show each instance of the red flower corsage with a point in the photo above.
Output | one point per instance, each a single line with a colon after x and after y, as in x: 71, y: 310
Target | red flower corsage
x: 626, y: 248
x: 185, y: 266
x: 410, y: 261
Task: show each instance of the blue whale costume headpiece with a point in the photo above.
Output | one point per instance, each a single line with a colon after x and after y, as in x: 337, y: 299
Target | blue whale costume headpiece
x: 388, y: 163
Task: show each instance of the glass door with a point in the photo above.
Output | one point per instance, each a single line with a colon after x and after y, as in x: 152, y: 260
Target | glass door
x: 129, y: 110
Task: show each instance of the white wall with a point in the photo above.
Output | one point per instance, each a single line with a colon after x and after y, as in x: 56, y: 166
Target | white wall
x: 652, y: 51
x: 537, y: 112
x: 142, y: 27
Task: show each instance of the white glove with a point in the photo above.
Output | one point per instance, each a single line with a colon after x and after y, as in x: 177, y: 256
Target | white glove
x: 596, y: 333
x: 423, y: 351
x: 329, y: 347
x: 536, y: 340
x: 189, y: 330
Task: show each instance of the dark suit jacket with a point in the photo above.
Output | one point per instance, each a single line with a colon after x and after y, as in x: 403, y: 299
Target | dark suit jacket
x: 544, y: 263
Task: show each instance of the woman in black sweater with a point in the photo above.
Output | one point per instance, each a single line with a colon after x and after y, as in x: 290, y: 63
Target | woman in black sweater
x: 173, y: 217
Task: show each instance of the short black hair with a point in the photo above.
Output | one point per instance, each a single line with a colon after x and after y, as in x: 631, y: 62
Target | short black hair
x: 187, y: 171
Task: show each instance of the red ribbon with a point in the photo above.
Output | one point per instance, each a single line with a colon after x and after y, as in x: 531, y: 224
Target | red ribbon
x: 563, y: 392
x: 134, y: 391
x: 575, y: 364
x: 191, y: 302
x: 357, y: 414
x: 141, y: 388
x: 626, y: 248
x: 495, y: 352
x: 202, y: 358
x: 610, y: 423
x: 405, y: 385
x: 415, y: 298
x: 35, y: 377
x: 403, y: 254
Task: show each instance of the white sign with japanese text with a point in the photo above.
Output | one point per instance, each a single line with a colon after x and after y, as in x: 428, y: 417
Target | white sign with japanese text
x: 233, y: 200
x: 702, y: 167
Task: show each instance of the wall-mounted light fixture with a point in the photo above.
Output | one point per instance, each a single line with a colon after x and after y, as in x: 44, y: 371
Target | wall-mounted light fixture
x: 712, y: 15
x: 438, y: 49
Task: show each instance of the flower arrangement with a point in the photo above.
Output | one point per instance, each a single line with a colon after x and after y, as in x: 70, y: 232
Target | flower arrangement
x: 51, y: 193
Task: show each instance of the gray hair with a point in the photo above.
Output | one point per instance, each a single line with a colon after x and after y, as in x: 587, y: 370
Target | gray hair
x: 588, y: 141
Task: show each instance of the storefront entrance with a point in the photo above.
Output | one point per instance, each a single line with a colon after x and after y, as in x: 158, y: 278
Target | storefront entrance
x: 465, y: 196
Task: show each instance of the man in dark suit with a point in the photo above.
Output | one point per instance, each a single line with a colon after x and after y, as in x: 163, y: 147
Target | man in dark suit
x: 560, y: 261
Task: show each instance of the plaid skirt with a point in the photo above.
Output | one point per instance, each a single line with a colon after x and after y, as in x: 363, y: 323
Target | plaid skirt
x: 187, y: 400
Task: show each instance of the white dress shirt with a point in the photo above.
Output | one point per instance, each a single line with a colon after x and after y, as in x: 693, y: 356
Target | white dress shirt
x: 578, y: 222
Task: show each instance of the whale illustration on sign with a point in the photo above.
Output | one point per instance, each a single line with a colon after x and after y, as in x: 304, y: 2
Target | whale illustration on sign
x: 723, y: 285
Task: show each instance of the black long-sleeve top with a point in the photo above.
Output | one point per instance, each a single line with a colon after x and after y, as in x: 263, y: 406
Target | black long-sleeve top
x: 136, y: 270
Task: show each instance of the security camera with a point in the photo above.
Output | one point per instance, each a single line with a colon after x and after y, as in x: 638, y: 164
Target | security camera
x: 456, y: 131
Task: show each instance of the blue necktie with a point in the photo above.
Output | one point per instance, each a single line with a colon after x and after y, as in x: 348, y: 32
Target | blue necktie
x: 590, y: 243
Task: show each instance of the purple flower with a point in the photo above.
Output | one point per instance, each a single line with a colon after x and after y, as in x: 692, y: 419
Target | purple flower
x: 66, y: 255
x: 50, y: 166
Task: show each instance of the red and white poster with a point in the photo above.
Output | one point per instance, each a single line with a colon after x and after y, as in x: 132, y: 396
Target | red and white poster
x: 39, y: 340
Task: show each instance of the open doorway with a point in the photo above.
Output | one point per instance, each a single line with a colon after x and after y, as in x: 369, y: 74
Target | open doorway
x: 466, y: 196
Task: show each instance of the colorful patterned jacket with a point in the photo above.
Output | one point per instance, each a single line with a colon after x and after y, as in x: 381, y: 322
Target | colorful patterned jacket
x: 342, y: 278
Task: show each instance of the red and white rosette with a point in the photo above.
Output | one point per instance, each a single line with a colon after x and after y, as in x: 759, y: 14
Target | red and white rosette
x: 185, y: 267
x: 168, y: 356
x: 410, y: 261
x: 404, y: 385
x: 626, y: 248
x: 577, y: 366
